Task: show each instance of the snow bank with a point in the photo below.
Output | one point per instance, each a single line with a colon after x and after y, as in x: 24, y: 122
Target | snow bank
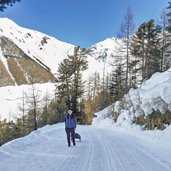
x: 153, y: 95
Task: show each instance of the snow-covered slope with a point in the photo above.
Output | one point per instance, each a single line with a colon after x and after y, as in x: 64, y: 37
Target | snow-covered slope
x: 108, y: 47
x: 48, y: 51
x: 102, y: 56
x: 11, y: 98
x: 153, y: 95
x: 107, y: 149
x: 39, y: 46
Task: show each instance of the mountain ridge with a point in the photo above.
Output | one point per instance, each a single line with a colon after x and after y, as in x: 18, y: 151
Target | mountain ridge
x: 17, y: 42
x: 48, y: 51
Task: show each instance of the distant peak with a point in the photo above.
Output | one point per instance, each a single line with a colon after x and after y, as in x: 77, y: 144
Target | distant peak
x: 7, y: 21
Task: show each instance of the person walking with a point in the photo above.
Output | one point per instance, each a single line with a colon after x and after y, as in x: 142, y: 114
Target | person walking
x: 70, y: 126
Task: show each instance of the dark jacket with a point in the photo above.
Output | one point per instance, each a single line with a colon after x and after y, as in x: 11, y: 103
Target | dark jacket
x: 70, y: 121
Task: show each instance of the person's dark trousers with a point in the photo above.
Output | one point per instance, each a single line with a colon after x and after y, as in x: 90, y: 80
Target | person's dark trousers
x: 70, y: 131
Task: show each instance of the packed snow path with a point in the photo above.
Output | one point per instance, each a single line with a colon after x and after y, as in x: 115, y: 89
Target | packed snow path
x: 101, y: 149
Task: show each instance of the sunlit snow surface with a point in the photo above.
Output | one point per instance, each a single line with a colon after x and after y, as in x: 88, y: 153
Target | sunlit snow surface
x: 102, y: 149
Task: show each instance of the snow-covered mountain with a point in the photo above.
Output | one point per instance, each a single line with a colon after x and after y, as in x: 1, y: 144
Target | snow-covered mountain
x: 18, y: 43
x: 106, y: 48
x: 37, y: 45
x: 21, y: 48
x: 103, y: 55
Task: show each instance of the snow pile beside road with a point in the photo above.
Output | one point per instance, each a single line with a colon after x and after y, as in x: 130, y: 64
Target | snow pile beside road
x: 153, y: 95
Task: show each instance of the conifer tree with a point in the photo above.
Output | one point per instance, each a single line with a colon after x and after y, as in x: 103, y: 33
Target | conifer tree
x: 78, y: 64
x: 169, y: 16
x: 70, y: 84
x: 146, y: 48
x: 5, y: 3
x: 65, y: 72
x: 117, y: 84
x: 153, y: 49
x: 138, y: 51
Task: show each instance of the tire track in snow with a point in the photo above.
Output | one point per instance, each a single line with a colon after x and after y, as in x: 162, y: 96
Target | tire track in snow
x: 148, y: 162
x: 109, y: 161
x: 140, y: 160
x: 117, y: 163
x: 124, y: 156
x: 90, y: 153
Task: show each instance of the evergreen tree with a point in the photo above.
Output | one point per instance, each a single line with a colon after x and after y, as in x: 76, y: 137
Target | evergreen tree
x: 117, y: 84
x: 138, y: 46
x: 169, y: 16
x: 146, y: 47
x: 78, y: 64
x: 5, y: 3
x: 65, y: 72
x: 153, y: 49
x: 63, y: 91
x: 9, y: 131
x: 70, y: 85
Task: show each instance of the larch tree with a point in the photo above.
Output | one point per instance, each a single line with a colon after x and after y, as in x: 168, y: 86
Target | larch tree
x: 164, y: 25
x: 167, y: 53
x: 126, y: 31
x: 23, y: 110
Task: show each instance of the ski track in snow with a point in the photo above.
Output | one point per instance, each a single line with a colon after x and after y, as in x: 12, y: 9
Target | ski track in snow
x: 101, y: 149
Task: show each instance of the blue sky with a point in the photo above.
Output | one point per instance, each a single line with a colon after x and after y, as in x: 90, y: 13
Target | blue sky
x: 81, y: 22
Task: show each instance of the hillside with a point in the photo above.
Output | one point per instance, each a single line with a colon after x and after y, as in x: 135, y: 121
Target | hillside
x: 25, y: 53
x: 102, y: 56
x: 12, y: 98
x: 21, y: 47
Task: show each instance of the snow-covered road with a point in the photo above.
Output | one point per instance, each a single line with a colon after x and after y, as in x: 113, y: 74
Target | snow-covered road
x: 101, y: 149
